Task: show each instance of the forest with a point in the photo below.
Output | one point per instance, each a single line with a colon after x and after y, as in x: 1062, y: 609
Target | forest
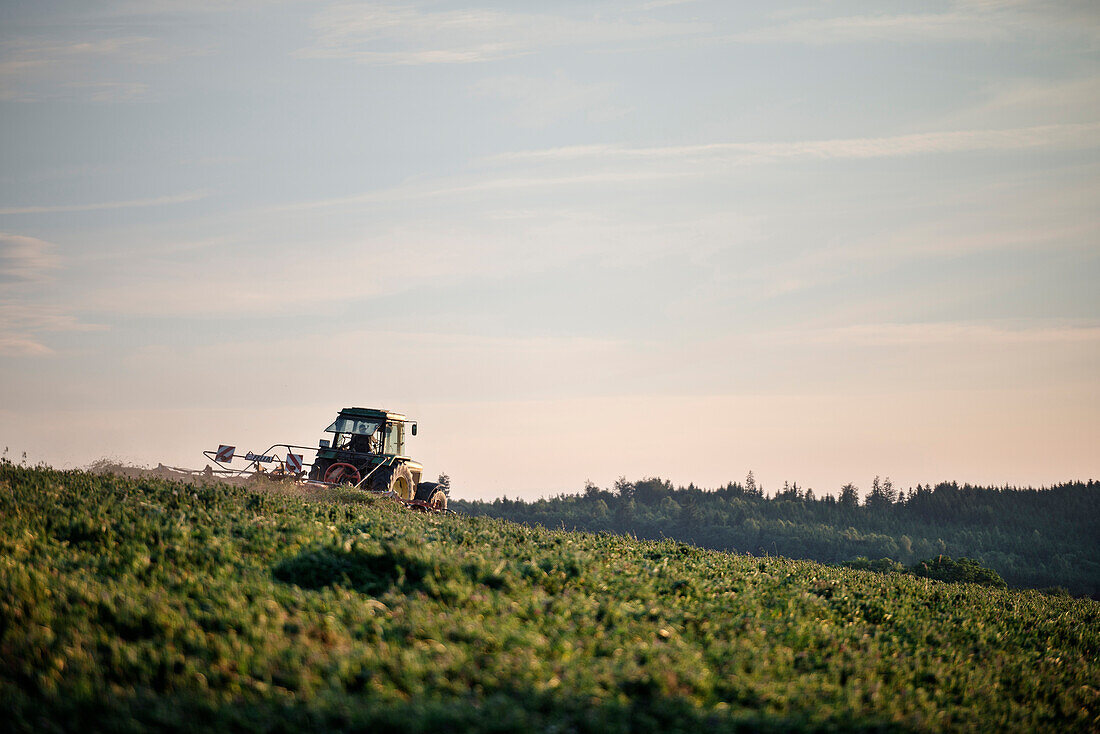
x: 1045, y: 538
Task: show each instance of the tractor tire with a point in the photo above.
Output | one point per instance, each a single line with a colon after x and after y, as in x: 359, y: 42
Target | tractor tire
x: 343, y: 473
x: 398, y: 480
x: 433, y: 494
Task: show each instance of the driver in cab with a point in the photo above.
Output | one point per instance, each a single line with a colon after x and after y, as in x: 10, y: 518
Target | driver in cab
x: 361, y: 440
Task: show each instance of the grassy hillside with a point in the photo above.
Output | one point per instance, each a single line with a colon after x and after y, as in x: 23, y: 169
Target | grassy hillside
x: 133, y: 603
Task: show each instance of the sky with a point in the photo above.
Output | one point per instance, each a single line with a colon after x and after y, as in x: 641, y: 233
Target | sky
x: 818, y: 241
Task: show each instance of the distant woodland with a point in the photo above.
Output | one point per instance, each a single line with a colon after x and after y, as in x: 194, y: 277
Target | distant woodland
x: 1034, y: 538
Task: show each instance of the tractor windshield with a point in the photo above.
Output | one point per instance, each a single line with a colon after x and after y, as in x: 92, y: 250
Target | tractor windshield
x: 358, y: 426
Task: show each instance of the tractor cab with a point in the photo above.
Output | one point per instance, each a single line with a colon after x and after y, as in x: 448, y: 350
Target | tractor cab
x: 369, y: 431
x: 367, y: 442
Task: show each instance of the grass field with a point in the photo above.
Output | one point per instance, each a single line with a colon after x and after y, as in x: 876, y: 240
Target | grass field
x: 132, y: 604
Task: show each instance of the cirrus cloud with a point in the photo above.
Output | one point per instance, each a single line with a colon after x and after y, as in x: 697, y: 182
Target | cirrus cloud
x: 26, y: 265
x: 24, y: 259
x: 381, y: 34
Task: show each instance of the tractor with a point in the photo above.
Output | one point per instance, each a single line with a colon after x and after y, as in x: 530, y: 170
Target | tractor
x: 367, y: 449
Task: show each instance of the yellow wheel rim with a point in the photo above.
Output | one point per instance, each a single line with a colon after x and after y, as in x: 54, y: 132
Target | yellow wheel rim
x: 401, y: 486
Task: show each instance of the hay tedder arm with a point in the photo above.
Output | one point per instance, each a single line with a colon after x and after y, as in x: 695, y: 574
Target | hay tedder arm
x: 290, y: 464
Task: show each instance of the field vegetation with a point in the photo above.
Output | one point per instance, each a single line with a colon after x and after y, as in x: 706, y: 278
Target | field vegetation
x: 138, y: 603
x: 1032, y: 538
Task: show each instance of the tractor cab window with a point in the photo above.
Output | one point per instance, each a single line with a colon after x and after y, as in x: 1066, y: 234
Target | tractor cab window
x: 354, y: 434
x: 357, y: 426
x: 395, y: 439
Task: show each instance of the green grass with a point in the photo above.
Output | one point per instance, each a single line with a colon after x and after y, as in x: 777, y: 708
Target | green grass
x: 132, y: 604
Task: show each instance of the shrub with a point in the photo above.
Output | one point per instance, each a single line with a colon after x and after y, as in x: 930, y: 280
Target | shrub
x: 961, y: 570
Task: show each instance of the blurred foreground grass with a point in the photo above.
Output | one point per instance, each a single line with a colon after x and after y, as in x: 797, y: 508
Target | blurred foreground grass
x: 139, y: 603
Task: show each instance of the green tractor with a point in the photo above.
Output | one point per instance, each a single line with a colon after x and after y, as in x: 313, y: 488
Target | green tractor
x: 367, y: 450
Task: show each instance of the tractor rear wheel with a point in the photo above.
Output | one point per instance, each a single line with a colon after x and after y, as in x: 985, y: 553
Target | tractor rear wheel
x: 341, y: 473
x: 433, y: 494
x: 397, y: 480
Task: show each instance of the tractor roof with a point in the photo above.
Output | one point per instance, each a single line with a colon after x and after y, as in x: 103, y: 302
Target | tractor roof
x: 374, y: 413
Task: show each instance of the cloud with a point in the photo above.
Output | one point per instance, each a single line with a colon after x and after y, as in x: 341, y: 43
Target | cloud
x: 654, y: 4
x: 881, y: 27
x: 443, y: 365
x: 945, y: 333
x: 107, y: 91
x: 123, y: 8
x: 1030, y: 101
x: 23, y: 53
x: 623, y: 165
x: 148, y: 251
x: 36, y: 69
x: 403, y: 35
x: 22, y: 324
x: 540, y: 101
x: 960, y: 236
x: 26, y: 265
x: 38, y: 317
x: 359, y: 268
x: 436, y: 189
x: 132, y: 203
x: 25, y: 259
x: 16, y: 345
x: 383, y: 34
x: 1067, y: 136
x: 970, y: 20
x: 378, y: 33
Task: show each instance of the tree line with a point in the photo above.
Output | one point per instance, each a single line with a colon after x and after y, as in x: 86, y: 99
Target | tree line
x: 1033, y: 538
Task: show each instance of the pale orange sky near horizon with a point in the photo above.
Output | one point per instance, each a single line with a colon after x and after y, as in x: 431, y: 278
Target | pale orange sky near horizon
x: 536, y: 449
